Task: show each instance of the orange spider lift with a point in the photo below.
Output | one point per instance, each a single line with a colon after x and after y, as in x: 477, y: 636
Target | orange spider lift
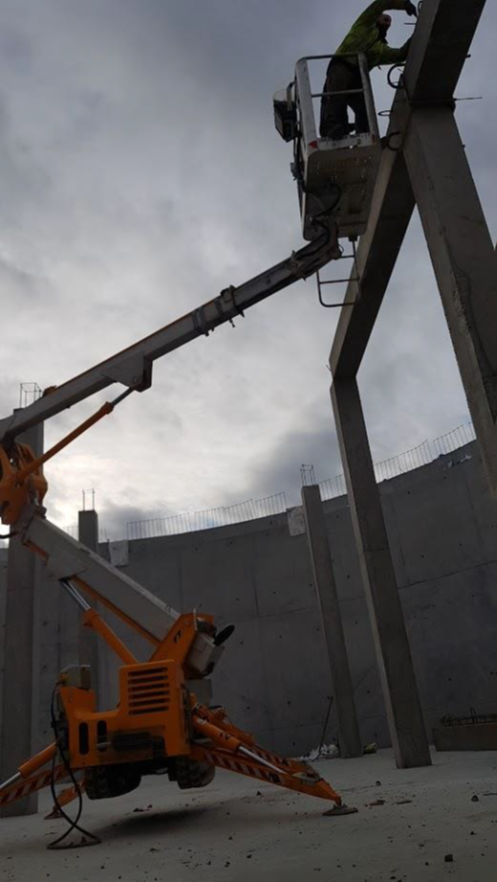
x: 160, y: 724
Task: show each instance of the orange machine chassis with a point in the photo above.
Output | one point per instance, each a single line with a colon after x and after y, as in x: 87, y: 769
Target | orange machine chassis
x: 154, y: 699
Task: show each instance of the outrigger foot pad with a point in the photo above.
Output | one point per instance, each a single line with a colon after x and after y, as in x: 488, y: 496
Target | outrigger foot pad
x: 53, y: 815
x: 340, y: 810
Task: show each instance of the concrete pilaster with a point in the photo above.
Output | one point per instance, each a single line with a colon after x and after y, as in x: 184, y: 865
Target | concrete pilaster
x: 393, y: 653
x: 89, y: 646
x: 19, y: 717
x: 324, y: 581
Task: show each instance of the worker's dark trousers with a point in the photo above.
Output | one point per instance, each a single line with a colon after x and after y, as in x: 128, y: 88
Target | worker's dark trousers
x: 341, y: 77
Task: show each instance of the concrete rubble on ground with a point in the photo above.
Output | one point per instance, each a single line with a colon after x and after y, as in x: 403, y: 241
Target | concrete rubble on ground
x: 326, y: 751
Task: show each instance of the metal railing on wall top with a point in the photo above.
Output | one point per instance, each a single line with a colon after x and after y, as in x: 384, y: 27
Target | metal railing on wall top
x: 252, y: 509
x: 408, y: 461
x: 192, y: 522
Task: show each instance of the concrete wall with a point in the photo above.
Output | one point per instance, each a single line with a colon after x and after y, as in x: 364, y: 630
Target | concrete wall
x: 3, y: 598
x: 59, y: 626
x: 274, y: 677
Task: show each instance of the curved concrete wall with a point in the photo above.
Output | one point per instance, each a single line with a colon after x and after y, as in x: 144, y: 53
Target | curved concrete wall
x: 274, y: 676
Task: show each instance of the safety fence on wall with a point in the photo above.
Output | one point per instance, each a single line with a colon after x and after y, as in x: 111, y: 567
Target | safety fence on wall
x: 191, y: 522
x: 252, y: 509
x: 414, y: 458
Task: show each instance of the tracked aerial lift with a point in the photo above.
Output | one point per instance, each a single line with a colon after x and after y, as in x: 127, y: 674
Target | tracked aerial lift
x: 163, y: 723
x: 160, y: 724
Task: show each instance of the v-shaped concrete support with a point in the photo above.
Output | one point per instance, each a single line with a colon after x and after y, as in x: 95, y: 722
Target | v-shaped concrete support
x: 464, y: 261
x: 423, y: 163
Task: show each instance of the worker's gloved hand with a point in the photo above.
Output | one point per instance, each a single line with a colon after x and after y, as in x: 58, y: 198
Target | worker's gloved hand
x: 410, y: 8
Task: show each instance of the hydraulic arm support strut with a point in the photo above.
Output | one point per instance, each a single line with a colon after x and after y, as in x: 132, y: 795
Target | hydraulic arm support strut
x: 133, y: 366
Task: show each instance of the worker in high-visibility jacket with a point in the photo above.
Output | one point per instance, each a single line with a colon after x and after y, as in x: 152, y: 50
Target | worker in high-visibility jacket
x: 368, y: 36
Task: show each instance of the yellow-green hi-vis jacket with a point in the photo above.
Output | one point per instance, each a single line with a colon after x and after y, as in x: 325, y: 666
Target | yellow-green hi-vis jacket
x: 364, y: 36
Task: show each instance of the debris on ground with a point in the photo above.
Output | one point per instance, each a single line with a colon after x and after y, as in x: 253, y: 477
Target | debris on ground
x: 326, y: 751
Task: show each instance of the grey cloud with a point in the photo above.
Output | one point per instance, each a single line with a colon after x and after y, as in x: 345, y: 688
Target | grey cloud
x: 142, y: 174
x: 114, y: 519
x: 21, y: 283
x: 279, y: 471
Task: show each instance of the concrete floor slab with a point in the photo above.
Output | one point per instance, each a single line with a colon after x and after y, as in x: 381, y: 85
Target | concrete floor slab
x: 409, y: 820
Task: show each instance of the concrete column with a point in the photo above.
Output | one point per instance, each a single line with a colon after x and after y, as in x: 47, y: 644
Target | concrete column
x: 89, y: 645
x: 21, y: 674
x: 464, y: 262
x: 393, y: 653
x: 324, y: 581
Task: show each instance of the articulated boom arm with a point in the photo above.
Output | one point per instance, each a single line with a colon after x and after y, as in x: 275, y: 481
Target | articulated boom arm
x: 133, y: 366
x: 158, y: 723
x: 22, y: 485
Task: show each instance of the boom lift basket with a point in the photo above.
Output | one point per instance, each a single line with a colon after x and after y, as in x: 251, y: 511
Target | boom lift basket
x: 336, y: 177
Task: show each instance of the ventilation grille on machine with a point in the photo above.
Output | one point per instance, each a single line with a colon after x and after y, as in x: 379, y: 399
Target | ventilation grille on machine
x: 148, y: 691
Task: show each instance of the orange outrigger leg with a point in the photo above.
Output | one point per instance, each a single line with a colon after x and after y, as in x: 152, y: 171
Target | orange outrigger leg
x: 30, y: 778
x: 231, y: 748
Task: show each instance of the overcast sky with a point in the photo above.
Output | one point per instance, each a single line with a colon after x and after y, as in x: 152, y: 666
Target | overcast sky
x: 141, y: 174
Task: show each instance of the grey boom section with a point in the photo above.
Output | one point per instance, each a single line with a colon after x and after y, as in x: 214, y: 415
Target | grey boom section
x: 133, y: 366
x: 67, y: 558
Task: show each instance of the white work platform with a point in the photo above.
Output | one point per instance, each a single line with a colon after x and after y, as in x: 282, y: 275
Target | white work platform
x: 334, y: 177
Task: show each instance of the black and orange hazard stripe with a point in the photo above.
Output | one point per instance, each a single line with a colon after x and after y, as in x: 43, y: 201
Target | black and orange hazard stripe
x: 26, y: 786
